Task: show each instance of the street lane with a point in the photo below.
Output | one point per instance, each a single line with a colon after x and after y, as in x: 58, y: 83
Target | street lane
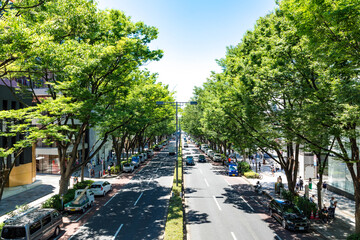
x: 223, y: 207
x: 138, y: 210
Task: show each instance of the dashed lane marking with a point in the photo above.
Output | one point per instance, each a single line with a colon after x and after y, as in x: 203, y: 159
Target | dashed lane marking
x: 138, y: 199
x: 117, y: 232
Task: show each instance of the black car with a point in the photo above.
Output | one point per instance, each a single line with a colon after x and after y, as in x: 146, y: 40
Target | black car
x: 289, y: 215
x: 202, y: 158
x: 157, y: 148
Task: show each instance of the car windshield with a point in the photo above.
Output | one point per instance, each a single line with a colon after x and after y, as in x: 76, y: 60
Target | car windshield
x: 95, y: 186
x: 13, y: 232
x: 291, y: 209
x: 232, y: 168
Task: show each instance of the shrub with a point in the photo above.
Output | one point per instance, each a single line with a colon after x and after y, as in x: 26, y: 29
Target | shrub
x: 83, y: 184
x: 53, y: 202
x: 355, y: 236
x: 1, y: 226
x: 115, y: 169
x: 251, y: 174
x: 244, y: 167
x: 69, y: 195
x: 302, y: 203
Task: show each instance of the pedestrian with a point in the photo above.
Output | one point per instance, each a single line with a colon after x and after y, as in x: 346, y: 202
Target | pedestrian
x: 259, y: 166
x: 325, y: 214
x: 277, y: 167
x: 312, y: 198
x: 324, y: 186
x: 92, y: 173
x: 76, y: 180
x: 310, y: 184
x: 273, y: 171
x: 109, y: 170
x: 332, y: 207
x: 301, y: 183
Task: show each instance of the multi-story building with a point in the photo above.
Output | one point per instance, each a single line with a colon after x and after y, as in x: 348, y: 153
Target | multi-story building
x: 24, y: 171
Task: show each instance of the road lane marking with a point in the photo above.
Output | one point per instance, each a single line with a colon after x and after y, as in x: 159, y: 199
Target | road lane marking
x: 255, y: 200
x: 206, y: 182
x: 247, y: 203
x: 277, y: 237
x: 83, y: 215
x: 110, y: 199
x: 233, y: 235
x: 81, y: 228
x: 217, y: 203
x: 227, y: 182
x: 117, y: 232
x: 138, y: 199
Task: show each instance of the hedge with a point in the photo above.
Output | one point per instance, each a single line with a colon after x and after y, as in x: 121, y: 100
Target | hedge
x: 244, y: 167
x: 251, y: 174
x: 302, y: 203
x: 355, y: 236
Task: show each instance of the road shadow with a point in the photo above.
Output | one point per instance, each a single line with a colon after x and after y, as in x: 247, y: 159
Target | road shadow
x: 9, y: 204
x: 194, y: 217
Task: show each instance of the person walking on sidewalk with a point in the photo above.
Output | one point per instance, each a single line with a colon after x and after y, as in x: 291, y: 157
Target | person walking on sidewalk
x: 310, y: 184
x: 324, y: 186
x: 301, y: 183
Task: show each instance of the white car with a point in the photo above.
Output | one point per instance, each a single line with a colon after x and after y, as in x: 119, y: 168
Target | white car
x: 186, y: 145
x: 217, y: 157
x: 128, y: 167
x: 100, y: 188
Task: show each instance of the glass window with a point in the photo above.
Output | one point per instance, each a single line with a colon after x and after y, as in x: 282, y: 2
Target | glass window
x: 46, y: 220
x: 13, y: 232
x: 36, y: 226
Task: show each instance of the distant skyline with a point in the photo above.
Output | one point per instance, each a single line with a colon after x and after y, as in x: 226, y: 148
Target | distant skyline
x: 192, y: 34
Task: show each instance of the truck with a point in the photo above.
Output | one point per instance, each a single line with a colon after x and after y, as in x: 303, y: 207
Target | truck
x: 83, y: 198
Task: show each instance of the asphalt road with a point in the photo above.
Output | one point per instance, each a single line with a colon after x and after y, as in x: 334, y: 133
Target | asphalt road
x: 137, y: 210
x: 223, y: 207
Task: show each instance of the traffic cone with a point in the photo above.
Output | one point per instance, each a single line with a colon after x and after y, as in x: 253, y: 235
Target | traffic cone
x: 317, y: 215
x: 312, y: 215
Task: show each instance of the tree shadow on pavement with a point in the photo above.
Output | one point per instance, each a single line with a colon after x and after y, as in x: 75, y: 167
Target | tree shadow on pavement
x: 194, y: 217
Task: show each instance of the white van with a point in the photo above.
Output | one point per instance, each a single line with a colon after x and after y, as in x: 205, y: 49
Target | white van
x: 203, y: 147
x: 40, y: 223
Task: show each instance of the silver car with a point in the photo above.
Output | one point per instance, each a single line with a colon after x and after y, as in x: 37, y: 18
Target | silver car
x: 100, y: 188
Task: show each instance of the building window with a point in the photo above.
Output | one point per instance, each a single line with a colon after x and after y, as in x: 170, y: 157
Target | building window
x: 5, y: 105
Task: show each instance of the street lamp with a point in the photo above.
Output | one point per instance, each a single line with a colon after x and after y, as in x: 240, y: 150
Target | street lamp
x: 176, y: 104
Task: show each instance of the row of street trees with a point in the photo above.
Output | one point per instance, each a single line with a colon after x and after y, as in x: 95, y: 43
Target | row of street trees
x: 89, y: 61
x: 291, y: 84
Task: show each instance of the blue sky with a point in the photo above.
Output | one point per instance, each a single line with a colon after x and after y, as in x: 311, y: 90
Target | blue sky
x: 192, y: 34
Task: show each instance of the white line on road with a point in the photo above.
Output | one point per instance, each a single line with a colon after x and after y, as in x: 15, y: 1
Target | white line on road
x: 246, y: 203
x: 157, y: 170
x: 110, y: 199
x: 117, y: 232
x: 82, y: 215
x: 81, y: 228
x: 277, y: 237
x: 206, y: 182
x: 217, y: 203
x: 233, y: 235
x: 227, y: 182
x: 138, y: 199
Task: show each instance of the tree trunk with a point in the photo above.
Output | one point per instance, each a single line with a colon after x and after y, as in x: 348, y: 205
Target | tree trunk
x: 357, y: 207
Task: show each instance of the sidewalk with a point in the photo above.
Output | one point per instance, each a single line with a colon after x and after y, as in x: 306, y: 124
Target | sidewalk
x: 344, y: 222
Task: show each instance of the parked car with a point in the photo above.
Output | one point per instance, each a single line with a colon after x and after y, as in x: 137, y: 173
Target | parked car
x: 172, y: 151
x: 150, y: 152
x: 288, y: 214
x: 190, y: 160
x: 211, y: 154
x: 217, y: 157
x: 41, y: 223
x: 186, y: 145
x: 141, y: 158
x: 202, y: 158
x: 128, y: 167
x: 83, y: 199
x: 208, y: 152
x: 233, y: 171
x: 156, y: 148
x: 100, y: 188
x: 203, y: 147
x: 135, y: 161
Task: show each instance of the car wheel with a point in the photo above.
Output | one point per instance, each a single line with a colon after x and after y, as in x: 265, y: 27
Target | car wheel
x: 283, y: 223
x: 57, y: 231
